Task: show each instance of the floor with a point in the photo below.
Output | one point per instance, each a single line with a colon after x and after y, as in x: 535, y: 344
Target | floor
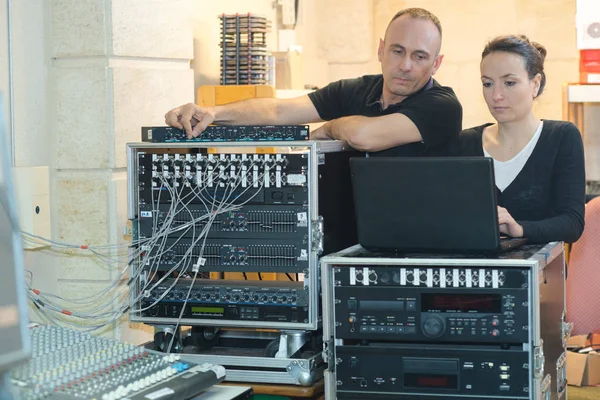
x: 583, y: 393
x: 573, y: 393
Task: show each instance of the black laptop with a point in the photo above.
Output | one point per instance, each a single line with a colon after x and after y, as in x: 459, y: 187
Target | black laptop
x: 407, y: 204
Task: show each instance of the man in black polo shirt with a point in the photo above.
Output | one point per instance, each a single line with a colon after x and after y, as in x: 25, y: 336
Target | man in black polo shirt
x: 403, y: 111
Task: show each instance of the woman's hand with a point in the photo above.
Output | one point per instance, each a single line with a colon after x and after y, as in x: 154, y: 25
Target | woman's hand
x: 507, y: 223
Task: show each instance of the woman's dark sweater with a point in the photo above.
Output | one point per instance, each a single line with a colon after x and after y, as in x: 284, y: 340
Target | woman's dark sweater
x: 547, y: 197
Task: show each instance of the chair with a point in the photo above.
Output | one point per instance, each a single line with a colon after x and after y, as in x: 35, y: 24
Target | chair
x: 583, y: 282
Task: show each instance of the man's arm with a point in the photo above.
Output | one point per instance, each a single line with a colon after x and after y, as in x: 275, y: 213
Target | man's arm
x: 194, y: 119
x: 371, y: 133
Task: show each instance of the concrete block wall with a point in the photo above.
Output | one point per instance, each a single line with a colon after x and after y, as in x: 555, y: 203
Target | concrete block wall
x: 107, y: 67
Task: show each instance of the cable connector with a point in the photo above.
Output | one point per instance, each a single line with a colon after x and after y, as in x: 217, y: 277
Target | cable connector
x: 200, y: 263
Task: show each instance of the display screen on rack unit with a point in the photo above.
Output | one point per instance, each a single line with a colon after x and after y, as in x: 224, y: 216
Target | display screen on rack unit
x: 461, y: 302
x: 431, y: 381
x: 208, y: 310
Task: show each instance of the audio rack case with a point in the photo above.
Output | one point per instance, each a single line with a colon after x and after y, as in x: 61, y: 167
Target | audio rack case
x: 331, y: 227
x: 540, y: 375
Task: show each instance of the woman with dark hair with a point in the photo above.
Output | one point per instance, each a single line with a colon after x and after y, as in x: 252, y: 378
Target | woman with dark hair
x: 539, y: 165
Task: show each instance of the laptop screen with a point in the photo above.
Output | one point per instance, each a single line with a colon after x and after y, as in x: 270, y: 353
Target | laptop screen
x: 426, y: 204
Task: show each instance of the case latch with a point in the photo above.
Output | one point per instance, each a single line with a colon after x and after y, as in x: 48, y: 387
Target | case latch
x: 321, y: 158
x: 538, y: 360
x: 317, y: 235
x: 567, y: 329
x: 561, y: 375
x: 545, y: 388
x: 328, y: 354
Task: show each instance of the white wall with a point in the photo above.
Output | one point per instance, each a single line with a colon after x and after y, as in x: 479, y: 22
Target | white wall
x: 591, y: 140
x: 33, y: 136
x: 32, y: 97
x: 30, y: 79
x: 4, y: 74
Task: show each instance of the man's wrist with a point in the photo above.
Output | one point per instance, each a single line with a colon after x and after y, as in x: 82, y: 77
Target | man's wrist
x: 217, y: 113
x: 329, y: 129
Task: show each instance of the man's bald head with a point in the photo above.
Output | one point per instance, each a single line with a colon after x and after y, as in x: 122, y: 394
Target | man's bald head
x: 418, y: 13
x: 409, y: 54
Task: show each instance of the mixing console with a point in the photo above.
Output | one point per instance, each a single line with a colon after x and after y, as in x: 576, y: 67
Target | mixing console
x: 67, y: 364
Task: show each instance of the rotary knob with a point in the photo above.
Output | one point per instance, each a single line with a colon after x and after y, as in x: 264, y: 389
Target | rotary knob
x: 433, y: 327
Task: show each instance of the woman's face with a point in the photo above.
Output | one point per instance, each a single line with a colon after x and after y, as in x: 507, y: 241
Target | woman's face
x: 507, y: 89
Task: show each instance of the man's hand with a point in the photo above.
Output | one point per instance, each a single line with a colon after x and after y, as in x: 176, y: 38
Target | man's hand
x: 322, y: 133
x: 190, y: 117
x: 507, y: 223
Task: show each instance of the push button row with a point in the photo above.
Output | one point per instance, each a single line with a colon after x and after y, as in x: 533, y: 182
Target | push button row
x: 389, y: 329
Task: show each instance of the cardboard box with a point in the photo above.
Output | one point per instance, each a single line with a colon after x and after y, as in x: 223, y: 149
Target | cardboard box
x: 578, y: 341
x: 209, y: 96
x: 582, y: 369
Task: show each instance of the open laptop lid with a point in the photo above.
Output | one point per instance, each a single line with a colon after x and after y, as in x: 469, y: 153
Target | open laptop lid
x: 426, y: 204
